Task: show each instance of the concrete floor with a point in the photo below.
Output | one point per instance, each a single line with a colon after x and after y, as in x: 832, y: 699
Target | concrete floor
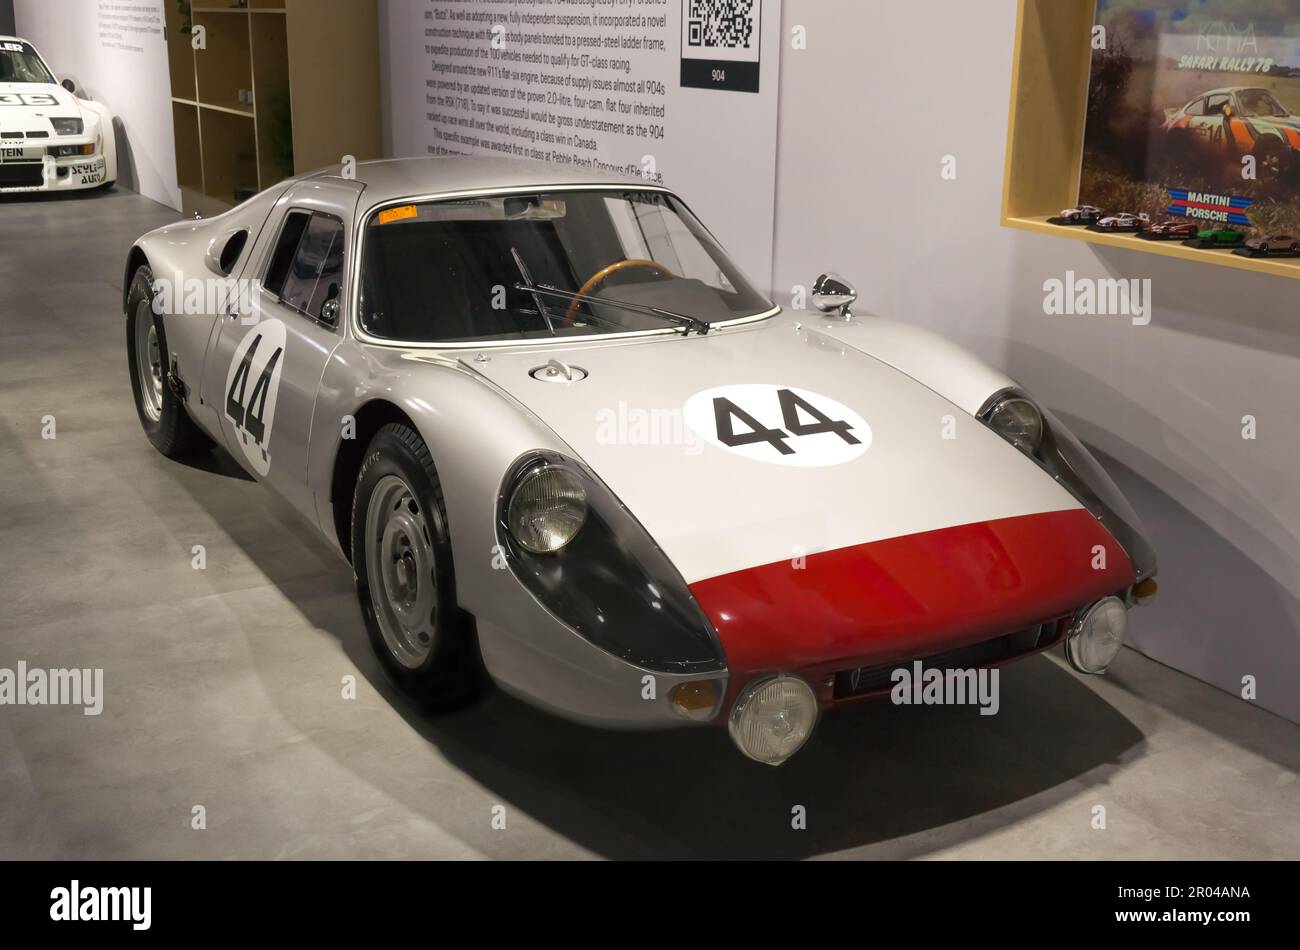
x: 223, y: 686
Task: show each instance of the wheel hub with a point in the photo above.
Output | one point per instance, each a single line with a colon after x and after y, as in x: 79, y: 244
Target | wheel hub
x: 401, y: 571
x: 148, y: 361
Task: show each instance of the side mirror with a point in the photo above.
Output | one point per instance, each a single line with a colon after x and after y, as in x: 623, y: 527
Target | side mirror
x: 329, y: 312
x: 1227, y: 112
x: 833, y: 294
x: 69, y: 85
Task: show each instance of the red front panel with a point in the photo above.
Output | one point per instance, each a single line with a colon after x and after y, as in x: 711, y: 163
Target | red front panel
x: 911, y: 596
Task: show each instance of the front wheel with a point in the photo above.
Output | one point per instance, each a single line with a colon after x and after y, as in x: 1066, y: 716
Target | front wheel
x: 401, y: 555
x: 163, y: 416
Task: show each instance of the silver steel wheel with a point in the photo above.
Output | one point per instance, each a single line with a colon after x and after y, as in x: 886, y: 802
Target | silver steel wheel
x: 148, y: 361
x: 400, y: 571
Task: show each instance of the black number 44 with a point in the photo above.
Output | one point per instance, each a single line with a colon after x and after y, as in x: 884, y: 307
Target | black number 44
x: 724, y: 411
x: 250, y: 417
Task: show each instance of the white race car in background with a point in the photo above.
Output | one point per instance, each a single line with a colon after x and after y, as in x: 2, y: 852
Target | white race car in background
x: 50, y: 140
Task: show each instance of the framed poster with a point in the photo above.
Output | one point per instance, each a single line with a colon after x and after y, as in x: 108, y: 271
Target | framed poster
x: 1192, y: 113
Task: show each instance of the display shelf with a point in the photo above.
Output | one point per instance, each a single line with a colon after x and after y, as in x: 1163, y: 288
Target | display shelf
x: 271, y: 92
x: 229, y: 146
x: 189, y: 148
x: 301, y: 116
x: 225, y: 68
x: 1045, y: 134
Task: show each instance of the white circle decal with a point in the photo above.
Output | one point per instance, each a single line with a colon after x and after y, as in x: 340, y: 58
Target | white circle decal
x: 778, y: 424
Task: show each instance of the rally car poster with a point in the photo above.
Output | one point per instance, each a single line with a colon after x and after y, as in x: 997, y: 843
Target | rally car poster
x: 1192, y: 112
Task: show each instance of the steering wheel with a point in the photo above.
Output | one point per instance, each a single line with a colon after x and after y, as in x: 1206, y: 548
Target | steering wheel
x: 602, y: 275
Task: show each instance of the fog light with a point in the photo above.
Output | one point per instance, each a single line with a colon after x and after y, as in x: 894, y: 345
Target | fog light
x: 697, y: 701
x: 773, y: 718
x: 1096, y: 635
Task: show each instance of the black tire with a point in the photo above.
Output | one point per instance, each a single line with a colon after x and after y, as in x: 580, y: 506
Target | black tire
x: 452, y: 672
x: 173, y: 432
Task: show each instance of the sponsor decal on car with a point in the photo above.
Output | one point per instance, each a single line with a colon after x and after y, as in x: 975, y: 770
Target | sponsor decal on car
x: 778, y: 424
x: 27, y: 99
x: 89, y: 173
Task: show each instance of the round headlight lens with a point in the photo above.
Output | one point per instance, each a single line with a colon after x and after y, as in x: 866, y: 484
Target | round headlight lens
x: 1095, y: 638
x: 548, y: 508
x: 773, y: 718
x: 1018, y: 421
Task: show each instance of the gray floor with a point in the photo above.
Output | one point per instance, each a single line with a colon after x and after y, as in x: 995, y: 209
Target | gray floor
x: 224, y: 685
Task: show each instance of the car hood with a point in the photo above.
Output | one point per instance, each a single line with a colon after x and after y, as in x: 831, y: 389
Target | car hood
x: 644, y: 420
x: 21, y: 103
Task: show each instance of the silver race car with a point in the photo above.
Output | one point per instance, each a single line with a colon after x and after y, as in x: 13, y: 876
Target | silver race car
x: 566, y: 445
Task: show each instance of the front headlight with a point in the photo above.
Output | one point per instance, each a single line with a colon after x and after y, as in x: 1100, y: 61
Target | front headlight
x: 574, y: 546
x: 1018, y: 421
x: 1046, y: 440
x: 67, y: 126
x: 547, y: 509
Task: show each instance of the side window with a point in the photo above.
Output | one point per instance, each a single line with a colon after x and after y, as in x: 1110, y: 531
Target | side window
x: 1196, y: 108
x: 1214, y: 105
x: 306, y: 267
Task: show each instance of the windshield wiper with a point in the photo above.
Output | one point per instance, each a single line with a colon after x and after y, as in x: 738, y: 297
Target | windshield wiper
x: 537, y: 299
x: 681, y: 319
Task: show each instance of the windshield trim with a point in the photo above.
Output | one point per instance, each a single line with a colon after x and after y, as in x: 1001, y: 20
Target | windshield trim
x: 363, y: 220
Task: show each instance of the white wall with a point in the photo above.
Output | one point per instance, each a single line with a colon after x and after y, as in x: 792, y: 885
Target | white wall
x: 115, y: 49
x: 883, y: 92
x: 717, y: 148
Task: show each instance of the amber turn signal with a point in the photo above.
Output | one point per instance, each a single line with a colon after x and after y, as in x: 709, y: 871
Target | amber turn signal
x: 1143, y: 591
x: 696, y: 701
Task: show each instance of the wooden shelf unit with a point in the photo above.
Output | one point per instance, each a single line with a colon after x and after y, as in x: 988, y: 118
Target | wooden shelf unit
x: 1044, y: 162
x: 311, y: 70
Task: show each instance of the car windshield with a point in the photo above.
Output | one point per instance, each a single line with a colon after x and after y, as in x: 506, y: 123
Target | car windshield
x: 546, y: 264
x: 19, y: 63
x: 1260, y: 102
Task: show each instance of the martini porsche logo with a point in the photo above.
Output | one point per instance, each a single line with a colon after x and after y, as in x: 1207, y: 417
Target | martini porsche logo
x: 778, y: 424
x: 252, y: 383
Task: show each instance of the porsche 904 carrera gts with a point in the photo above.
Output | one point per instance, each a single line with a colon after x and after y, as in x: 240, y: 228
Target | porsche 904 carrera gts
x: 567, y: 447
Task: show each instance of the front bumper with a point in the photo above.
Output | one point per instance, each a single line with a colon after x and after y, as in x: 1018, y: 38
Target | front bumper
x: 48, y: 173
x: 855, y: 613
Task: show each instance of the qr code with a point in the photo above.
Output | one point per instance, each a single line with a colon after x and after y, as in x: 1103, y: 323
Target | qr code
x: 726, y: 24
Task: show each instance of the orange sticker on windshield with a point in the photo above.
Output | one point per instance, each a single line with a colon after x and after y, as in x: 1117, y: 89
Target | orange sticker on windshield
x: 397, y: 214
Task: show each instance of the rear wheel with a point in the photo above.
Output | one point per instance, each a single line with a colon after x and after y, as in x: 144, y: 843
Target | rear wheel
x: 401, y: 555
x: 163, y: 416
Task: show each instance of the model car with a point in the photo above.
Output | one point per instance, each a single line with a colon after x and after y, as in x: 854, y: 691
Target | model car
x: 1124, y: 222
x: 1274, y: 244
x: 1084, y: 214
x: 1235, y: 121
x: 50, y: 140
x: 1220, y: 236
x: 1171, y: 230
x: 563, y: 441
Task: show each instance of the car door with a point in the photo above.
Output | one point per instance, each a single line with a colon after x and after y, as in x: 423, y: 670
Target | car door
x: 269, y: 361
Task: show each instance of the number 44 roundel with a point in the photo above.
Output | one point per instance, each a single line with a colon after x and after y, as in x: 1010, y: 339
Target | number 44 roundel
x: 252, y: 383
x: 778, y: 424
